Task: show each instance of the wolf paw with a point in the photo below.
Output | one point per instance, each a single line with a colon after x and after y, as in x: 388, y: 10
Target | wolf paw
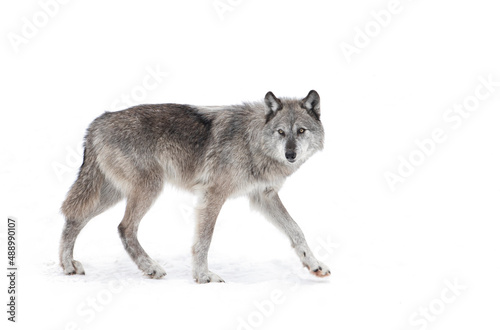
x: 73, y: 267
x: 155, y: 271
x: 207, y: 277
x: 321, y: 271
x: 318, y: 269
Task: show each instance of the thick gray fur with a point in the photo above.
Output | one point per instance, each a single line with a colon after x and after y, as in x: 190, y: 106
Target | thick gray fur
x: 215, y: 152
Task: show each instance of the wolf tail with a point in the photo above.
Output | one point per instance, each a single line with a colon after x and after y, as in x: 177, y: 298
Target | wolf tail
x: 84, y: 195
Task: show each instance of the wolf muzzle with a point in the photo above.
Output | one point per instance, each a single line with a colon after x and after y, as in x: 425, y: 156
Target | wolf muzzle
x: 290, y: 153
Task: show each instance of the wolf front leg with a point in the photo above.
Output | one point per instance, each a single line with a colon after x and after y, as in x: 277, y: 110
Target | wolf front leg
x: 269, y: 203
x: 207, y: 211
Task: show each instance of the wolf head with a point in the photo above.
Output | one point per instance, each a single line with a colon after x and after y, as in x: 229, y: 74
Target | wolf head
x: 293, y: 130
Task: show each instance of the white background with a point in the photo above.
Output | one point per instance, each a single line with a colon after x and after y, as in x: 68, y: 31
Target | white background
x: 391, y: 251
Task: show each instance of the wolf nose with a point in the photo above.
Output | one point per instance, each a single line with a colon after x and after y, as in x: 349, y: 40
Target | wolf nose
x: 290, y: 156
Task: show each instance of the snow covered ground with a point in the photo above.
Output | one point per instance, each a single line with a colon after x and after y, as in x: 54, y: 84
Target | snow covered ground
x: 402, y: 204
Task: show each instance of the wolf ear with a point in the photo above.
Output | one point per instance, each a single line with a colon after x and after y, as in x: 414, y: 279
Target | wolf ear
x: 273, y: 105
x: 311, y: 104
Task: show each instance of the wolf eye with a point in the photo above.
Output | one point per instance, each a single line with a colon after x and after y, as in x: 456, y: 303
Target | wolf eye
x: 301, y: 130
x: 281, y: 132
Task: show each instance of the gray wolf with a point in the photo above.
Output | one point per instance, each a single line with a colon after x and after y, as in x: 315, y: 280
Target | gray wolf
x: 215, y: 152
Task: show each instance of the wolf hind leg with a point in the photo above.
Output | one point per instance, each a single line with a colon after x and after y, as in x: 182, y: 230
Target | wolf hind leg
x: 138, y: 203
x: 70, y: 232
x: 75, y: 222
